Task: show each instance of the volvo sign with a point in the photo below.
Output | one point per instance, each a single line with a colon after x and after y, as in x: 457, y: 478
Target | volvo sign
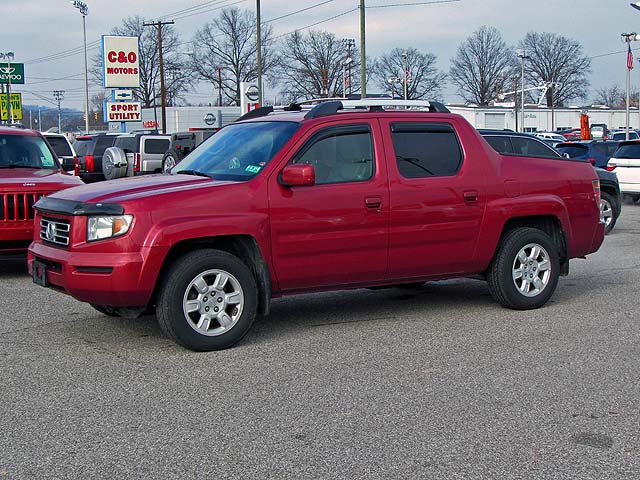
x: 13, y: 72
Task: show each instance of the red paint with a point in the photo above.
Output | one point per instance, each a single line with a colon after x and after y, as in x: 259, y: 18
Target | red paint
x: 386, y: 230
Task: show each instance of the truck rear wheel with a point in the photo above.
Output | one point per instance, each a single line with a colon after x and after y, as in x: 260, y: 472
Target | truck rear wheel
x: 207, y: 301
x: 524, y: 273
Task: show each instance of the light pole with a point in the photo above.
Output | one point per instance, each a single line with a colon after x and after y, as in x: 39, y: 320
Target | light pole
x: 59, y: 96
x: 84, y: 11
x: 345, y: 80
x: 628, y: 38
x: 392, y: 82
x: 8, y: 56
x: 405, y: 67
x: 522, y: 54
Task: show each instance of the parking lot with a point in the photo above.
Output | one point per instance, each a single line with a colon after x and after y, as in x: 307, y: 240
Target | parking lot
x: 438, y: 382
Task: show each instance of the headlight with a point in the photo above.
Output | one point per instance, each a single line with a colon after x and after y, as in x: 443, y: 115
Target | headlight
x: 107, y: 227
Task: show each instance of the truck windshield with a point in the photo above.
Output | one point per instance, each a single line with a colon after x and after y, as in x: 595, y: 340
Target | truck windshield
x: 238, y: 152
x: 25, y: 151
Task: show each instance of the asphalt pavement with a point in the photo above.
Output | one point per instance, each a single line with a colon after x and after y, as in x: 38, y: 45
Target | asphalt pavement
x: 438, y: 382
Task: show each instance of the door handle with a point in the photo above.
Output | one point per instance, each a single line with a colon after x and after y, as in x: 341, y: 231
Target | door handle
x: 374, y: 203
x: 470, y: 195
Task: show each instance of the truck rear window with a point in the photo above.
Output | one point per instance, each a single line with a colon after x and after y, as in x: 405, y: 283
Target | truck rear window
x: 574, y: 151
x: 60, y: 146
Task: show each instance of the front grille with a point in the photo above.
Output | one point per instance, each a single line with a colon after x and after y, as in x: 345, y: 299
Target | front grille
x: 18, y: 207
x: 55, y: 231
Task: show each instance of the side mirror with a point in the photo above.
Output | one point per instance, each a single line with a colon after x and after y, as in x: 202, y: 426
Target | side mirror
x: 298, y: 175
x: 68, y: 164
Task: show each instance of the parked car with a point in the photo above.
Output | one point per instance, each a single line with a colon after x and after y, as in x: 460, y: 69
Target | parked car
x: 182, y: 144
x: 595, y: 151
x: 344, y: 195
x: 29, y: 170
x: 523, y: 144
x: 550, y: 136
x: 599, y: 131
x: 571, y: 134
x: 135, y: 154
x: 626, y: 163
x: 620, y: 135
x: 90, y: 150
x: 63, y: 150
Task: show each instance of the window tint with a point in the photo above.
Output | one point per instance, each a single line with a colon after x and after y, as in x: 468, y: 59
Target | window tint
x: 25, y: 151
x: 574, y: 151
x: 531, y: 147
x: 341, y: 155
x: 82, y: 147
x: 628, y: 151
x: 426, y: 149
x: 156, y: 145
x: 103, y: 142
x: 128, y: 144
x: 60, y: 146
x: 500, y: 144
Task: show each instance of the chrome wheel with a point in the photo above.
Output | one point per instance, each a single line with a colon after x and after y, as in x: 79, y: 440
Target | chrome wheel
x: 213, y: 302
x: 169, y: 163
x: 606, y: 213
x: 531, y: 270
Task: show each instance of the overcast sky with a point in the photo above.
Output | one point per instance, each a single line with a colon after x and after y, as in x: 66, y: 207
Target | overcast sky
x: 36, y: 30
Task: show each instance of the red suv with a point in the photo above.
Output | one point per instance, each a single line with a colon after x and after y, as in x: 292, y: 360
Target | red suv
x: 345, y: 195
x: 29, y: 170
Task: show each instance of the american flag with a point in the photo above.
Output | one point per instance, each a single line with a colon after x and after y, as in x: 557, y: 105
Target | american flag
x: 630, y: 58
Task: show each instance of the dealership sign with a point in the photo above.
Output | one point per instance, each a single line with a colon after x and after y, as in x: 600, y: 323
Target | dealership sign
x: 120, y: 62
x: 13, y: 72
x: 123, y: 112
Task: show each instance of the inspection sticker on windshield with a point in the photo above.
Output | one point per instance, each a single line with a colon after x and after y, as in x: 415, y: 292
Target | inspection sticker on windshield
x: 252, y: 168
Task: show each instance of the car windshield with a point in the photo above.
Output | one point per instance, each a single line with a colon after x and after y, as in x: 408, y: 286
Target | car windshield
x: 574, y: 151
x: 237, y: 152
x: 628, y: 151
x: 25, y: 151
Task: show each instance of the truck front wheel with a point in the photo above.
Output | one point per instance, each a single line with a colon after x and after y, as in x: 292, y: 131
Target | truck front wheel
x: 524, y: 273
x: 207, y: 301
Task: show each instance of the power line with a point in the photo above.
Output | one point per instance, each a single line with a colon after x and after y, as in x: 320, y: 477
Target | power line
x: 299, y: 11
x: 180, y: 17
x: 317, y: 23
x: 410, y: 4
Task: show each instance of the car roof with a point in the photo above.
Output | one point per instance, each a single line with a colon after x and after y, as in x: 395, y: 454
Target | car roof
x: 508, y: 133
x: 17, y: 131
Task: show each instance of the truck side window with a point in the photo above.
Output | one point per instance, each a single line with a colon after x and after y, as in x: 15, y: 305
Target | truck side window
x: 340, y: 155
x: 500, y: 144
x: 426, y: 149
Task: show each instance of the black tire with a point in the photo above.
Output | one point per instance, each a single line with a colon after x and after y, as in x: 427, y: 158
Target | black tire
x: 502, y: 285
x: 171, y: 158
x: 108, y: 311
x: 176, y: 288
x: 609, y: 208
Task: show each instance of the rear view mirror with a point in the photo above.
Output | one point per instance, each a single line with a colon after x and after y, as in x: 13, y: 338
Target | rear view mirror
x: 298, y: 175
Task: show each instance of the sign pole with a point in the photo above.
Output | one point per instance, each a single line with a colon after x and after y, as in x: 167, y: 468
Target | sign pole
x: 10, y: 110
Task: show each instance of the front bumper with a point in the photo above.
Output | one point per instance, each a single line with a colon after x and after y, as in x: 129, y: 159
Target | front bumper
x: 116, y: 280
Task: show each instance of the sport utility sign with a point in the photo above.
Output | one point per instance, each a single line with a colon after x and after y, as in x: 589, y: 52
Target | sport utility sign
x: 16, y: 70
x: 123, y: 112
x: 120, y: 62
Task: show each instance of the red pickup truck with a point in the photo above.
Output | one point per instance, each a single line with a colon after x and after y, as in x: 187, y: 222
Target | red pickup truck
x: 342, y: 195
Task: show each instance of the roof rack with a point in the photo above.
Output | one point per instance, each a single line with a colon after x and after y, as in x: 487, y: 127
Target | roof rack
x: 322, y: 107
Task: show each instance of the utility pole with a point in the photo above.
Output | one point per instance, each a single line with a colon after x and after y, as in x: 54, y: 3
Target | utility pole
x: 220, y: 87
x: 259, y: 52
x: 522, y: 54
x: 350, y: 43
x: 163, y: 93
x: 405, y: 67
x: 363, y: 56
x: 59, y: 96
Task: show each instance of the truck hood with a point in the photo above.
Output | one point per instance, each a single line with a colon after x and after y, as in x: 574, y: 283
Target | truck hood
x: 133, y: 188
x: 35, y: 179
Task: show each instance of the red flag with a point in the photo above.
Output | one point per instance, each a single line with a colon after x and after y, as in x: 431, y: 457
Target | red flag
x: 630, y: 59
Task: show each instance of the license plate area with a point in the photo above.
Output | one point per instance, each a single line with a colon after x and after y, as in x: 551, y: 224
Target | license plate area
x: 39, y: 273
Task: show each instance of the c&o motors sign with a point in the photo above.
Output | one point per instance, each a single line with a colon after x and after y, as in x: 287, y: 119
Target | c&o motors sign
x: 120, y: 62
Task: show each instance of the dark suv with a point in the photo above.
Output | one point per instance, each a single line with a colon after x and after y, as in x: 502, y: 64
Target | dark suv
x: 511, y: 143
x: 597, y: 152
x: 89, y: 150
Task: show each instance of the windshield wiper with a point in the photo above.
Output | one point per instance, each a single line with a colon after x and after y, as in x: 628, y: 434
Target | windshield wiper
x: 194, y: 172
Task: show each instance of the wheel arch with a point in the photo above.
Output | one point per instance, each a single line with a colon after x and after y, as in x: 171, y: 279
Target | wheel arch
x: 244, y: 247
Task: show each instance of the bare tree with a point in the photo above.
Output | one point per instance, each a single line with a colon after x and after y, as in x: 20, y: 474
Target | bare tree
x: 229, y: 44
x: 312, y: 65
x: 180, y: 80
x: 610, y: 96
x: 554, y: 58
x: 483, y: 66
x: 424, y: 80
